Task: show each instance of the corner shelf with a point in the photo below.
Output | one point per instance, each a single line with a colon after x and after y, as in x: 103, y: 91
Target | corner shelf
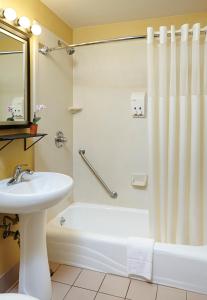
x: 74, y: 110
x: 24, y: 136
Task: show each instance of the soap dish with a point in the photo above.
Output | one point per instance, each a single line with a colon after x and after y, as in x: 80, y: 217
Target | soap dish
x: 139, y: 180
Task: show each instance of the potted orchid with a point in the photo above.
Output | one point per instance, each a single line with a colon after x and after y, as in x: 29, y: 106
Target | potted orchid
x: 36, y: 118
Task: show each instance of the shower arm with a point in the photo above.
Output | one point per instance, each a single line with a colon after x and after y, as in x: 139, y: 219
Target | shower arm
x: 111, y: 193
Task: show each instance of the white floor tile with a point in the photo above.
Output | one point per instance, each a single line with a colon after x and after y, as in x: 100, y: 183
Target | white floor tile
x: 195, y: 296
x: 59, y: 290
x: 80, y: 294
x: 115, y: 285
x: 169, y: 293
x: 107, y: 297
x: 90, y: 280
x: 66, y: 274
x: 140, y: 290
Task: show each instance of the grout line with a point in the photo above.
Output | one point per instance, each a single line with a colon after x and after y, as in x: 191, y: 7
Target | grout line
x: 104, y: 293
x: 100, y: 285
x: 77, y: 277
x: 72, y: 285
x: 66, y: 284
x: 67, y: 292
x: 77, y: 287
x: 128, y: 288
x: 83, y: 288
x: 156, y: 292
x: 61, y: 282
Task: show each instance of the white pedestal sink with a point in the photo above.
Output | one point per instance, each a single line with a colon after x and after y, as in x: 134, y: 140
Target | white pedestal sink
x: 30, y: 199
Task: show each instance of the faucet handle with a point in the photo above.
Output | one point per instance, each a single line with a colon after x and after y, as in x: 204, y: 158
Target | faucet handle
x: 18, y: 168
x: 21, y: 165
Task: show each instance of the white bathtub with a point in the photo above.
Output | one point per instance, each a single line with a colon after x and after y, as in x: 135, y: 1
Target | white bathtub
x: 95, y: 237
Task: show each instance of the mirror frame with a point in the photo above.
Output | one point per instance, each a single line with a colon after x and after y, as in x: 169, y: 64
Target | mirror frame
x: 20, y: 35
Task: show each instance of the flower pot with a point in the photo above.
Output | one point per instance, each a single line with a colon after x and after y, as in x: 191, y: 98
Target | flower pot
x: 33, y: 129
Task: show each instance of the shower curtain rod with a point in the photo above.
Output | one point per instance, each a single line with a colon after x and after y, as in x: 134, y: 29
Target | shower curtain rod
x: 10, y: 52
x: 119, y: 39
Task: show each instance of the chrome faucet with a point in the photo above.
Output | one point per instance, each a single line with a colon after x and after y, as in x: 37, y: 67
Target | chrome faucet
x: 19, y: 174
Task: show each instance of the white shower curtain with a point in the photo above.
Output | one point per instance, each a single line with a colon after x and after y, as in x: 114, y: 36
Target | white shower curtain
x: 177, y: 122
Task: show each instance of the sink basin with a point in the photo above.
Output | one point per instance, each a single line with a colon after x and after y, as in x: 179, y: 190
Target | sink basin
x: 30, y: 199
x: 40, y: 191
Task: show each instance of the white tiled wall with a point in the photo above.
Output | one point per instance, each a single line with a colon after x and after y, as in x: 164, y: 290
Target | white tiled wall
x: 115, y: 143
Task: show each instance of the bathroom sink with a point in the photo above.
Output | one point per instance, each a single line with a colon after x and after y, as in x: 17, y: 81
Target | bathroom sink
x: 30, y: 199
x: 39, y: 191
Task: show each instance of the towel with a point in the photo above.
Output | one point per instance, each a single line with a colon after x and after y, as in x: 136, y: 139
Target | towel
x: 140, y: 257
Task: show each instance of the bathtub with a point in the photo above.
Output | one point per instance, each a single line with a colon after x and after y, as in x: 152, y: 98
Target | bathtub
x: 95, y: 237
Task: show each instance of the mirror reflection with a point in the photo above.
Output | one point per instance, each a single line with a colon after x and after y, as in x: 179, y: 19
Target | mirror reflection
x: 13, y: 79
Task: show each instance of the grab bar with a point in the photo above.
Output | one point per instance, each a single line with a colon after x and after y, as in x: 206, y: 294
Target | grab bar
x: 109, y: 191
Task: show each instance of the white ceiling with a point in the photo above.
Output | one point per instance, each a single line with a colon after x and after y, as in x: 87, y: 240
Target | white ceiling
x: 92, y: 12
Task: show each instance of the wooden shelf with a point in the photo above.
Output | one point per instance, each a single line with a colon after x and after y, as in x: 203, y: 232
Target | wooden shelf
x: 23, y: 136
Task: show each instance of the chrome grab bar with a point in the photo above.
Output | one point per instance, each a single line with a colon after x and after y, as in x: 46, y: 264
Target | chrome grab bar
x: 111, y: 193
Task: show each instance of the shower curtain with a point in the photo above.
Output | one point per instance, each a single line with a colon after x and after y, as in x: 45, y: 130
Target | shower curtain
x: 177, y: 131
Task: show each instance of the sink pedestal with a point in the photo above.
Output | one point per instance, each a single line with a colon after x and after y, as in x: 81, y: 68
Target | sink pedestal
x: 30, y: 199
x: 34, y: 278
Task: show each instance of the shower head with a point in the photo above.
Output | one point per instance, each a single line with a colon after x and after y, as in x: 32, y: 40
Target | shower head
x: 70, y: 50
x: 61, y: 45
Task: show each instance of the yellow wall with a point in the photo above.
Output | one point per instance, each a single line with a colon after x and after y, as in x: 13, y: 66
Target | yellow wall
x: 8, y: 44
x: 36, y: 10
x: 91, y: 33
x: 9, y: 157
x: 14, y: 153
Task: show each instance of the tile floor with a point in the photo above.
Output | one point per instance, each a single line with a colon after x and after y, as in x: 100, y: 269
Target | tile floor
x: 71, y: 283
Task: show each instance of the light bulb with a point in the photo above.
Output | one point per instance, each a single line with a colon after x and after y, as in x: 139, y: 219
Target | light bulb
x: 36, y: 29
x: 24, y: 22
x: 9, y: 14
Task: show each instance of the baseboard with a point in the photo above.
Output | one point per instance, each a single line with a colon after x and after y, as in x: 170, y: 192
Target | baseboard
x: 9, y: 279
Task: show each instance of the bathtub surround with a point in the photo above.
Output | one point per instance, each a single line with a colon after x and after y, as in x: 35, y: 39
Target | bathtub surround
x: 176, y: 137
x: 105, y: 76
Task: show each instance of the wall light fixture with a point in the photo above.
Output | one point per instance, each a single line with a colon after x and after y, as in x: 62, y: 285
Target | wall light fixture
x: 9, y: 14
x: 24, y: 23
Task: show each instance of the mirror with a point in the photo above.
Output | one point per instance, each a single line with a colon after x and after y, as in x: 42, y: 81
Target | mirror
x: 14, y: 78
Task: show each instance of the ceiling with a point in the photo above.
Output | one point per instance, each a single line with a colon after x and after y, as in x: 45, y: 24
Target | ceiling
x: 77, y: 13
